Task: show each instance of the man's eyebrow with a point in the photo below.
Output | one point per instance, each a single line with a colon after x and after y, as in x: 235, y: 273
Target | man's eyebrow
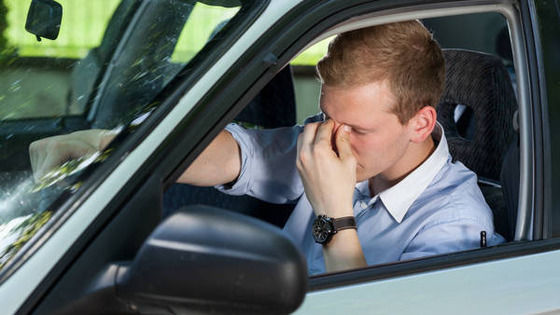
x: 350, y: 125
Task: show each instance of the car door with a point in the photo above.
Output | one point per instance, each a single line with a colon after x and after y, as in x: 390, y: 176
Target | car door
x: 486, y: 280
x: 455, y: 279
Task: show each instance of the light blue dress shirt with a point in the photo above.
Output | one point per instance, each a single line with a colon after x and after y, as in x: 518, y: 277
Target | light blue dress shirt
x: 438, y: 208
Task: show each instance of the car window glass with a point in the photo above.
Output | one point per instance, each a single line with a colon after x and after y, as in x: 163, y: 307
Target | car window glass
x: 164, y: 39
x: 36, y: 76
x: 111, y: 59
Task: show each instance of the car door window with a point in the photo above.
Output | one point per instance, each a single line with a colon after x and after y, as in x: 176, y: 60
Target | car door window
x: 463, y: 118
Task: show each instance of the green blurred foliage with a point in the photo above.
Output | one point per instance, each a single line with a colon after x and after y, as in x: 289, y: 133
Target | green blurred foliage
x: 3, y: 24
x: 313, y: 54
x: 84, y: 22
x: 6, y: 50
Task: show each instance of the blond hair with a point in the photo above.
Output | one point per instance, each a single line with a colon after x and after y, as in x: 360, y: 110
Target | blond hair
x: 404, y: 53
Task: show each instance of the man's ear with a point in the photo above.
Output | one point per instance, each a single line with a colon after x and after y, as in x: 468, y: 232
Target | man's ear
x: 422, y: 124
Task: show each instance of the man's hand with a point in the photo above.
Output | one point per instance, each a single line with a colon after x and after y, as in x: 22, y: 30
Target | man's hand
x: 329, y: 177
x: 48, y: 153
x: 328, y: 174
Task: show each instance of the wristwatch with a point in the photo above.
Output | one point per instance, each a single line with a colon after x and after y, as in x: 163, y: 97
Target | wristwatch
x: 325, y: 227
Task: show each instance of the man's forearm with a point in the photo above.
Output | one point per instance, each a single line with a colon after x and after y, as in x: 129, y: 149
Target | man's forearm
x: 218, y: 164
x: 344, y: 252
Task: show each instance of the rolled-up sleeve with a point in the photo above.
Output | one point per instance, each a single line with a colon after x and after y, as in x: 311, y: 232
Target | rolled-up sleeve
x: 268, y: 168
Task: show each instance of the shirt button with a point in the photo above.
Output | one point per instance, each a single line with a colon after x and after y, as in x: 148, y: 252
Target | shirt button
x: 363, y: 205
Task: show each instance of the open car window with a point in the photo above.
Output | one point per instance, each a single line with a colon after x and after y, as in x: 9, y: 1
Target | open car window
x: 479, y: 129
x: 110, y: 60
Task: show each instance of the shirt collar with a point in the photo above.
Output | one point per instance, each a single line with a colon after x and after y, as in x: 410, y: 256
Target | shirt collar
x: 400, y: 197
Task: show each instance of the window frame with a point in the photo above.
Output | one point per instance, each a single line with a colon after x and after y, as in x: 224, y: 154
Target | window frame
x: 332, y: 20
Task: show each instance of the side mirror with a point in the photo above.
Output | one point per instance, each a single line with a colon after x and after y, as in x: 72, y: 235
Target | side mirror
x: 203, y: 260
x: 44, y: 18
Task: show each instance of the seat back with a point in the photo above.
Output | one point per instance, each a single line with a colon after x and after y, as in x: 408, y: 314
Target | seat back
x: 510, y: 185
x: 480, y: 137
x: 481, y: 83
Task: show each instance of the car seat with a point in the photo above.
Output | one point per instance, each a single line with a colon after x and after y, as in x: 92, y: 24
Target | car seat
x: 273, y: 107
x: 480, y: 137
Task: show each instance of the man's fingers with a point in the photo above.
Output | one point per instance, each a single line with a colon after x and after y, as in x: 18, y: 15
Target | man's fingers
x: 299, y: 142
x: 33, y: 156
x: 48, y: 164
x: 343, y: 143
x: 308, y: 134
x: 304, y: 142
x: 324, y: 132
x: 49, y: 153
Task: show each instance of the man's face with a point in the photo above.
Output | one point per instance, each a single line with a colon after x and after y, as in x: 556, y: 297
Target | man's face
x: 379, y: 141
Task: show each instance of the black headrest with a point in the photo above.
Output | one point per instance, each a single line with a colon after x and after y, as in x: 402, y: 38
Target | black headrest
x: 481, y: 83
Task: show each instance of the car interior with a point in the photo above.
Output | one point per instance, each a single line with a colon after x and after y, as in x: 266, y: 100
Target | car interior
x: 477, y: 112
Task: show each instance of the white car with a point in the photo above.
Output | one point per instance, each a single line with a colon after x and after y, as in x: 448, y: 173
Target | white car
x: 112, y: 232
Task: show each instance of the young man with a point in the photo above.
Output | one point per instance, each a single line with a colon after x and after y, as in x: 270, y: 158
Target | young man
x: 372, y: 174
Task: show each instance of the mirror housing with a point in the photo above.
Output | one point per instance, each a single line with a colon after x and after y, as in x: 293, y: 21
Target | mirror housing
x: 44, y: 18
x: 208, y: 260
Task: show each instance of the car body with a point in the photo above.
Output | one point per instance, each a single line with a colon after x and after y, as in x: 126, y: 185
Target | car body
x: 98, y: 220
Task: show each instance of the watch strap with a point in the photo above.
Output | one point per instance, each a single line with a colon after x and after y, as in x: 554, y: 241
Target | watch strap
x: 344, y: 223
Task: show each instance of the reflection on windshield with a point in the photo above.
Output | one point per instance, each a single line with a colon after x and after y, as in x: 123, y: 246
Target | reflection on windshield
x: 103, y: 71
x: 23, y: 210
x: 14, y: 234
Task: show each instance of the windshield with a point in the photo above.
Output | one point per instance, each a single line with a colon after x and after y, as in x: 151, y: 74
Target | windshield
x: 109, y: 60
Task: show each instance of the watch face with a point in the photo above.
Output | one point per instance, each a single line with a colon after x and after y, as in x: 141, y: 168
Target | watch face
x: 322, y: 229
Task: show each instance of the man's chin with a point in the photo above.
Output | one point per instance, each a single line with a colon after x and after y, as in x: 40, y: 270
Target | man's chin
x: 362, y: 175
x: 361, y: 179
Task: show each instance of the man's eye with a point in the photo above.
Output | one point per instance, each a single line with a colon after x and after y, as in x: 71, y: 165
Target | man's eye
x: 358, y: 132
